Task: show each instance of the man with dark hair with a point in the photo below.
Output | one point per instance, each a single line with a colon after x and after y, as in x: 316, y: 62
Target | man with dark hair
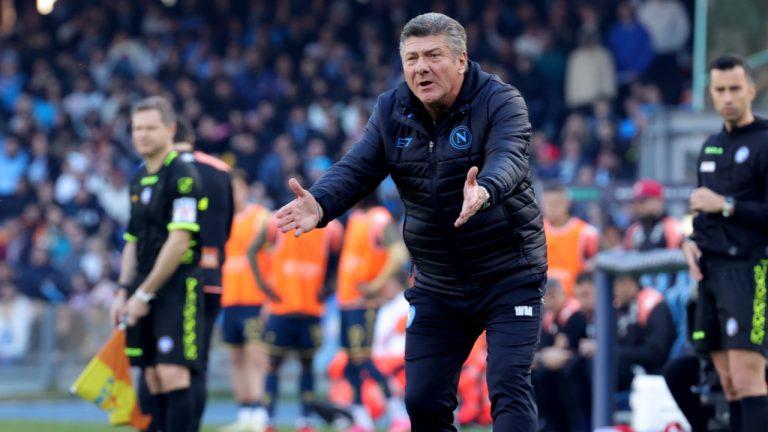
x: 645, y: 330
x: 215, y: 224
x: 159, y: 268
x: 563, y: 327
x: 456, y: 142
x: 727, y: 252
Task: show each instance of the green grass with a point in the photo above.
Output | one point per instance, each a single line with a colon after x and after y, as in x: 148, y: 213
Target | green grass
x: 24, y: 426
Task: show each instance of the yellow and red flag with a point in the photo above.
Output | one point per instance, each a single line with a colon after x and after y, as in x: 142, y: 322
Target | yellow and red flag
x: 106, y: 381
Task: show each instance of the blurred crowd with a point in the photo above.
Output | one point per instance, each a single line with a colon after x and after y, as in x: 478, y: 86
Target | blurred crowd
x: 281, y: 89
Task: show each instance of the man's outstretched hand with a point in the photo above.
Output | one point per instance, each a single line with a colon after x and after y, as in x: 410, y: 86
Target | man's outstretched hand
x: 474, y: 198
x: 302, y: 214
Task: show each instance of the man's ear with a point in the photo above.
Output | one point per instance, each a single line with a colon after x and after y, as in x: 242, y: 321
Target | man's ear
x: 463, y: 62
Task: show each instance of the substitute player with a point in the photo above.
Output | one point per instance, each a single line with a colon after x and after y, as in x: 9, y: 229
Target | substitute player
x: 373, y: 252
x: 242, y: 302
x: 296, y: 292
x: 159, y: 268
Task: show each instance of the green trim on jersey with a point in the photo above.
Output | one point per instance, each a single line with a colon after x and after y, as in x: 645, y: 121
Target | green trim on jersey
x: 186, y: 226
x: 149, y: 180
x: 130, y: 237
x: 171, y: 156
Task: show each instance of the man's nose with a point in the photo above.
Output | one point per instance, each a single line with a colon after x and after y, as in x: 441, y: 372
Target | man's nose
x: 421, y: 66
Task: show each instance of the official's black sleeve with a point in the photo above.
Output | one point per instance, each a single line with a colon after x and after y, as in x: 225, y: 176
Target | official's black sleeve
x: 660, y: 334
x: 355, y: 176
x: 507, y: 146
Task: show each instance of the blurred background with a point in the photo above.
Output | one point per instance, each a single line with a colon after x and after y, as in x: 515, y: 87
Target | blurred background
x: 616, y: 91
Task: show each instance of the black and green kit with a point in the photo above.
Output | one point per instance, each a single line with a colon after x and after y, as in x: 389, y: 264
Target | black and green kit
x: 731, y: 311
x: 169, y: 199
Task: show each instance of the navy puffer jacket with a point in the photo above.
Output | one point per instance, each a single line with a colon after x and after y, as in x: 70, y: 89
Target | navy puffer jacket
x: 428, y: 160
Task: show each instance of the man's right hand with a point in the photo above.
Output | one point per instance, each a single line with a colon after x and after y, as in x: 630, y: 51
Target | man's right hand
x: 692, y: 254
x: 302, y: 214
x: 118, y: 307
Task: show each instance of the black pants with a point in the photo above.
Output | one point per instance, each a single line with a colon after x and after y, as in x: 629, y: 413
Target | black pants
x: 681, y: 375
x: 441, y: 333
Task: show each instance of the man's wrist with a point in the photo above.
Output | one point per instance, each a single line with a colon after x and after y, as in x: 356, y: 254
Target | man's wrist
x: 144, y: 296
x: 729, y: 205
x: 486, y: 198
x: 319, y: 211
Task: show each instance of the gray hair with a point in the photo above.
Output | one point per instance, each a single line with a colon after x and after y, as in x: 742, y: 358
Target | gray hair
x: 159, y: 104
x: 436, y: 24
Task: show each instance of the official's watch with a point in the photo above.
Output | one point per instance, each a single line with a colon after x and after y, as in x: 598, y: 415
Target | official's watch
x: 728, y: 206
x: 144, y: 296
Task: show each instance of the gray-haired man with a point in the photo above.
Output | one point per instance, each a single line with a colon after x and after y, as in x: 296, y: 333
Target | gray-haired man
x: 456, y: 141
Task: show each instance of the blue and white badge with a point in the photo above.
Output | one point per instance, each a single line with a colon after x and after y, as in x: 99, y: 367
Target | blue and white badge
x: 146, y: 195
x: 461, y: 138
x: 411, y: 316
x: 742, y: 154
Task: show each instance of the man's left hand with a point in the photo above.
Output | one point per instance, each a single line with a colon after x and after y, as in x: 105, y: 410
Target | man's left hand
x: 474, y: 198
x: 135, y: 309
x: 705, y: 200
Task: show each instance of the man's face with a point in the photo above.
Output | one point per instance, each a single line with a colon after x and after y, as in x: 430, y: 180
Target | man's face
x: 625, y: 289
x: 732, y: 93
x: 555, y: 300
x: 555, y: 205
x: 585, y: 293
x: 433, y: 72
x: 150, y: 135
x: 648, y: 207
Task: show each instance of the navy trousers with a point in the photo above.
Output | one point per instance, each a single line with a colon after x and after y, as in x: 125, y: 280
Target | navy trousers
x: 441, y: 332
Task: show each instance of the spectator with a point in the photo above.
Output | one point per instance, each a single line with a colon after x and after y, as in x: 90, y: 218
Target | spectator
x: 40, y: 280
x: 630, y: 45
x: 16, y: 317
x: 669, y: 26
x: 652, y: 228
x: 562, y: 329
x: 645, y: 329
x: 590, y: 72
x: 13, y: 164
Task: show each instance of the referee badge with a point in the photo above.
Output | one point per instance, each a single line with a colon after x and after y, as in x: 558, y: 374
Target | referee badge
x: 732, y: 326
x: 146, y: 195
x: 411, y: 316
x: 742, y: 154
x: 165, y: 344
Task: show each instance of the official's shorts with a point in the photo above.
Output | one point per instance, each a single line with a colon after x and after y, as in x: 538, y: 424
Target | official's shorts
x: 730, y: 310
x: 210, y: 279
x: 284, y: 333
x: 241, y: 324
x: 357, y: 326
x: 173, y: 330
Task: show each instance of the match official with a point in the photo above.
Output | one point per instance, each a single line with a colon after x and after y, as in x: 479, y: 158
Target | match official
x: 728, y: 251
x: 159, y: 268
x: 217, y: 211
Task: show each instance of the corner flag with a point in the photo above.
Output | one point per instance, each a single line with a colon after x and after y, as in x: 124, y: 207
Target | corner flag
x: 106, y: 381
